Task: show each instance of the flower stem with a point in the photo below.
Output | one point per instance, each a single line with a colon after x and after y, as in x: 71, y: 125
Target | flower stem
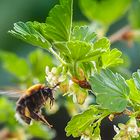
x: 57, y: 56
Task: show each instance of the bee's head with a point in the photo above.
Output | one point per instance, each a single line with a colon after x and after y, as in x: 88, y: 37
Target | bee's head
x: 48, y: 91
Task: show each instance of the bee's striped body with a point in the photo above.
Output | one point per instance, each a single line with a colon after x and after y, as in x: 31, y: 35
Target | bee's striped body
x: 29, y: 105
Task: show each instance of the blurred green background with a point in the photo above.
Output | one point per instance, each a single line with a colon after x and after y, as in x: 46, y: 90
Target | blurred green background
x: 103, y: 17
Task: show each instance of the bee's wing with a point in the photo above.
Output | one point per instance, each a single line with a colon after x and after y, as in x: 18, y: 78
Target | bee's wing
x: 11, y: 93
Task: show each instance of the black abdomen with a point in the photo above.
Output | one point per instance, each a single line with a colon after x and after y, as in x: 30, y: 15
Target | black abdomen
x: 28, y: 106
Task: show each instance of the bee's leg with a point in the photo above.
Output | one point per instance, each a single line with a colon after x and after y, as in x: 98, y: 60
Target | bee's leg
x: 39, y: 117
x: 21, y: 111
x: 26, y: 119
x: 44, y: 119
x: 51, y: 102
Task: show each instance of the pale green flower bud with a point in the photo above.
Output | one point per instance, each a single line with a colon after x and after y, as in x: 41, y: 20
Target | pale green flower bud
x: 128, y: 131
x: 53, y: 76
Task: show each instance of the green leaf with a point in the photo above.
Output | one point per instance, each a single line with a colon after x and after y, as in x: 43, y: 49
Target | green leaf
x: 38, y: 61
x: 62, y: 48
x: 136, y: 78
x: 7, y: 109
x: 78, y: 49
x: 111, y: 90
x: 102, y: 43
x: 27, y: 33
x: 59, y: 22
x: 82, y: 33
x: 56, y: 29
x: 134, y: 16
x: 82, y: 51
x: 134, y: 92
x: 15, y: 65
x: 97, y: 49
x: 104, y: 11
x: 111, y: 58
x: 87, y: 67
x: 92, y: 55
x: 112, y: 102
x: 40, y: 131
x: 79, y: 123
x: 96, y: 135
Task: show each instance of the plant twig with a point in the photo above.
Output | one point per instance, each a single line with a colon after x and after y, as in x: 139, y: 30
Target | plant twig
x: 57, y: 56
x: 82, y: 83
x: 124, y: 34
x: 125, y: 112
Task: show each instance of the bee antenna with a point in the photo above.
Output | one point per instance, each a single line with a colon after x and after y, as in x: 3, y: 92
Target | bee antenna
x: 56, y: 85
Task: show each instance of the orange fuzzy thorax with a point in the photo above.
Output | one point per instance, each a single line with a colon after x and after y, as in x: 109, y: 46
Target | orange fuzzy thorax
x: 34, y: 88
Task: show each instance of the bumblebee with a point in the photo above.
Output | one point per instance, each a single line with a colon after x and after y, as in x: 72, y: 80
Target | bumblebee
x: 28, y: 106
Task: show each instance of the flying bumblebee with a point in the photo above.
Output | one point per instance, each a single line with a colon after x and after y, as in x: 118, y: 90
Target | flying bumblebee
x: 29, y: 104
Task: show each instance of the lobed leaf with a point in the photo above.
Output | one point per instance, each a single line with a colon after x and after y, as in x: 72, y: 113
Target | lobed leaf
x: 82, y: 33
x: 97, y: 49
x: 111, y: 58
x: 78, y: 49
x: 59, y: 22
x: 102, y: 43
x: 79, y: 123
x: 27, y: 33
x: 136, y: 78
x: 56, y: 29
x: 82, y: 51
x: 104, y: 11
x: 134, y: 92
x: 111, y: 90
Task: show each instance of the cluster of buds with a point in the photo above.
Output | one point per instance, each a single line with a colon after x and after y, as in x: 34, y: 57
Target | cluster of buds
x: 79, y: 94
x: 66, y: 85
x: 54, y: 76
x: 89, y: 135
x: 128, y: 131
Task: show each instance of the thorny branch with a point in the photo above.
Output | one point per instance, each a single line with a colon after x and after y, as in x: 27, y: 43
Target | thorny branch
x: 125, y: 112
x: 124, y: 34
